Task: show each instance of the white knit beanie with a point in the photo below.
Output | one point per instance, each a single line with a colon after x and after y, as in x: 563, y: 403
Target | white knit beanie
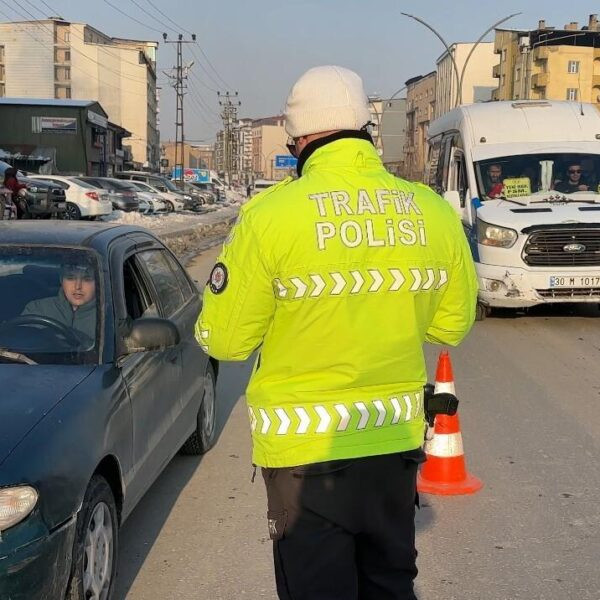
x: 326, y: 98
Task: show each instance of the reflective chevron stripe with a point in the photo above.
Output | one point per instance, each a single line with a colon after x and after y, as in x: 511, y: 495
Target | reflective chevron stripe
x: 336, y: 283
x: 202, y: 336
x: 338, y: 417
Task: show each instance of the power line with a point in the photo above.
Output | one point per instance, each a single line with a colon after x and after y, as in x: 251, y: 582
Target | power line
x: 54, y: 12
x: 132, y: 18
x: 51, y: 48
x: 160, y: 12
x: 206, y: 71
x: 211, y: 66
x: 202, y: 83
x: 201, y: 100
x: 37, y: 22
x: 153, y: 17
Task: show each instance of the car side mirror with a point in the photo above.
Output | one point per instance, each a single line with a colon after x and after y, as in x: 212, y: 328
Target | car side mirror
x: 150, y: 333
x: 453, y: 198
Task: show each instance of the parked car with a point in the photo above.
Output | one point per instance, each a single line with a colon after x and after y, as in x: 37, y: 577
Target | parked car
x: 121, y: 196
x: 41, y: 199
x: 146, y: 202
x: 260, y: 185
x: 83, y: 199
x: 173, y: 202
x: 92, y: 410
x: 167, y: 188
x: 212, y: 194
x: 199, y: 198
x: 159, y: 203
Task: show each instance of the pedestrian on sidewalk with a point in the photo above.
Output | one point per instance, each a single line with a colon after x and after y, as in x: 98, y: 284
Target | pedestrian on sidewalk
x: 336, y: 279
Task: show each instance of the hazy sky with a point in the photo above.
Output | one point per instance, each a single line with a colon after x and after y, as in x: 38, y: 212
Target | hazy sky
x: 260, y: 47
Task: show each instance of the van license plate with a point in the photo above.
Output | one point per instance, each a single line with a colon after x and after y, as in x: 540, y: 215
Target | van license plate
x: 576, y: 281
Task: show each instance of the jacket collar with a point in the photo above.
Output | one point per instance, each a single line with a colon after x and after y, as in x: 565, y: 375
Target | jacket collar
x: 338, y: 149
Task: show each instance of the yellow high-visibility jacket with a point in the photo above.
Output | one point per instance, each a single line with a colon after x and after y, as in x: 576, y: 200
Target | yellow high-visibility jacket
x: 337, y: 278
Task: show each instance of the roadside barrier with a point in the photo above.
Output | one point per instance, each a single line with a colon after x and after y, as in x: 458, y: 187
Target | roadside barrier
x: 445, y: 471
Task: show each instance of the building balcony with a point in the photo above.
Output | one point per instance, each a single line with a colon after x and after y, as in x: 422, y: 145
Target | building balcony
x: 541, y: 53
x: 496, y: 71
x: 540, y: 80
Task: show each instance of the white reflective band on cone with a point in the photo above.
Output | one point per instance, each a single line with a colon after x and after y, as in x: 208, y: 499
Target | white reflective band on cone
x: 445, y: 445
x: 443, y: 387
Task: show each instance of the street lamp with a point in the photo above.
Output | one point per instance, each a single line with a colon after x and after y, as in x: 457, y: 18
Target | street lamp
x: 459, y: 76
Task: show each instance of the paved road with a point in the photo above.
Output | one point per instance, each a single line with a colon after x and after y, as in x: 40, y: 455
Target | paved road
x: 530, y: 389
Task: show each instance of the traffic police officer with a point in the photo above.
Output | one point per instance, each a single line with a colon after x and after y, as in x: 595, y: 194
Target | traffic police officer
x: 336, y: 279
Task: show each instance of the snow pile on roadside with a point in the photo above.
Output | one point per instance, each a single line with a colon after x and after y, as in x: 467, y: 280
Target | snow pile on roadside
x: 163, y: 221
x: 234, y: 197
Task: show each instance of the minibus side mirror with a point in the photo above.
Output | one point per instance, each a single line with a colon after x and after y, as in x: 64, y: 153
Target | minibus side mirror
x: 453, y: 198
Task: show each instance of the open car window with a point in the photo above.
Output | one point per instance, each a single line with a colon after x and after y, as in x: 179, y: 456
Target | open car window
x: 50, y: 310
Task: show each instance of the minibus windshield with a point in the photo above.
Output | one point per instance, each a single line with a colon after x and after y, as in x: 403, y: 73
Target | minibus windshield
x: 520, y: 176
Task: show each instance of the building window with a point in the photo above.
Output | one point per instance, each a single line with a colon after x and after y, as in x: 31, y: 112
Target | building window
x: 1, y: 72
x: 573, y: 66
x: 62, y: 73
x: 2, y: 90
x: 517, y: 74
x: 1, y: 54
x: 572, y: 94
x: 62, y: 92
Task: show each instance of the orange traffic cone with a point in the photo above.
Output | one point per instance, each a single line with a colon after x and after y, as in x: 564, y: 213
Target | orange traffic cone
x: 445, y: 471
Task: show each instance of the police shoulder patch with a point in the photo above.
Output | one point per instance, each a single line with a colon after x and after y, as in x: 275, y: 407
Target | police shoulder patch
x: 218, y: 279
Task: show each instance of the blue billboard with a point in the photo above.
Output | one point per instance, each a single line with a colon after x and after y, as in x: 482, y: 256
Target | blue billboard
x: 285, y: 161
x: 192, y: 175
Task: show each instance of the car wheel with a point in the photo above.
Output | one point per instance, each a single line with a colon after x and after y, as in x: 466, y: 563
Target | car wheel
x: 72, y: 212
x: 203, y: 439
x: 482, y: 311
x: 170, y: 207
x: 96, y: 543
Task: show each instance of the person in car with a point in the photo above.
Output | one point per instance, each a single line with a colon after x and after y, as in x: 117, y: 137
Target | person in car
x: 574, y: 181
x: 494, y: 187
x: 74, y: 306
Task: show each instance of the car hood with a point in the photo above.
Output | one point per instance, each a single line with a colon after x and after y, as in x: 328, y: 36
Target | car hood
x: 515, y: 216
x: 29, y: 393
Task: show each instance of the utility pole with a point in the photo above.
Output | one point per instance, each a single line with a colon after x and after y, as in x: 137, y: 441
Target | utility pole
x: 178, y: 78
x: 229, y: 104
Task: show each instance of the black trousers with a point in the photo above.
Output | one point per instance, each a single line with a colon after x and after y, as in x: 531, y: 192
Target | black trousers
x: 345, y: 530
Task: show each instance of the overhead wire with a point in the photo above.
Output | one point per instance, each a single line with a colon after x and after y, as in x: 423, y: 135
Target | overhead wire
x: 160, y: 12
x: 153, y: 17
x: 37, y: 22
x: 131, y: 18
x: 19, y: 25
x: 81, y: 38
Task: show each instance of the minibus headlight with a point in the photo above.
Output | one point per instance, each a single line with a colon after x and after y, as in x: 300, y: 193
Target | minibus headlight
x: 494, y: 235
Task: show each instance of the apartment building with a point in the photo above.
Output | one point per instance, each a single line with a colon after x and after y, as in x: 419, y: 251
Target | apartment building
x: 53, y: 58
x: 392, y: 134
x: 420, y: 110
x: 195, y: 156
x: 268, y: 140
x: 478, y: 82
x: 244, y: 149
x: 376, y: 112
x: 549, y: 63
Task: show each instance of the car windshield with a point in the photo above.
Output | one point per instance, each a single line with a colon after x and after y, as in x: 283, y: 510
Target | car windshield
x: 50, y: 305
x: 520, y: 176
x: 169, y: 185
x: 82, y: 183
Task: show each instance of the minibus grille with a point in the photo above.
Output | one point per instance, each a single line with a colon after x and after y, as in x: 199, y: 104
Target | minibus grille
x: 568, y: 247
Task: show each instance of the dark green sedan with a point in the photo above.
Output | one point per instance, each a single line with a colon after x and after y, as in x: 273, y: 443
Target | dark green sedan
x: 102, y: 382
